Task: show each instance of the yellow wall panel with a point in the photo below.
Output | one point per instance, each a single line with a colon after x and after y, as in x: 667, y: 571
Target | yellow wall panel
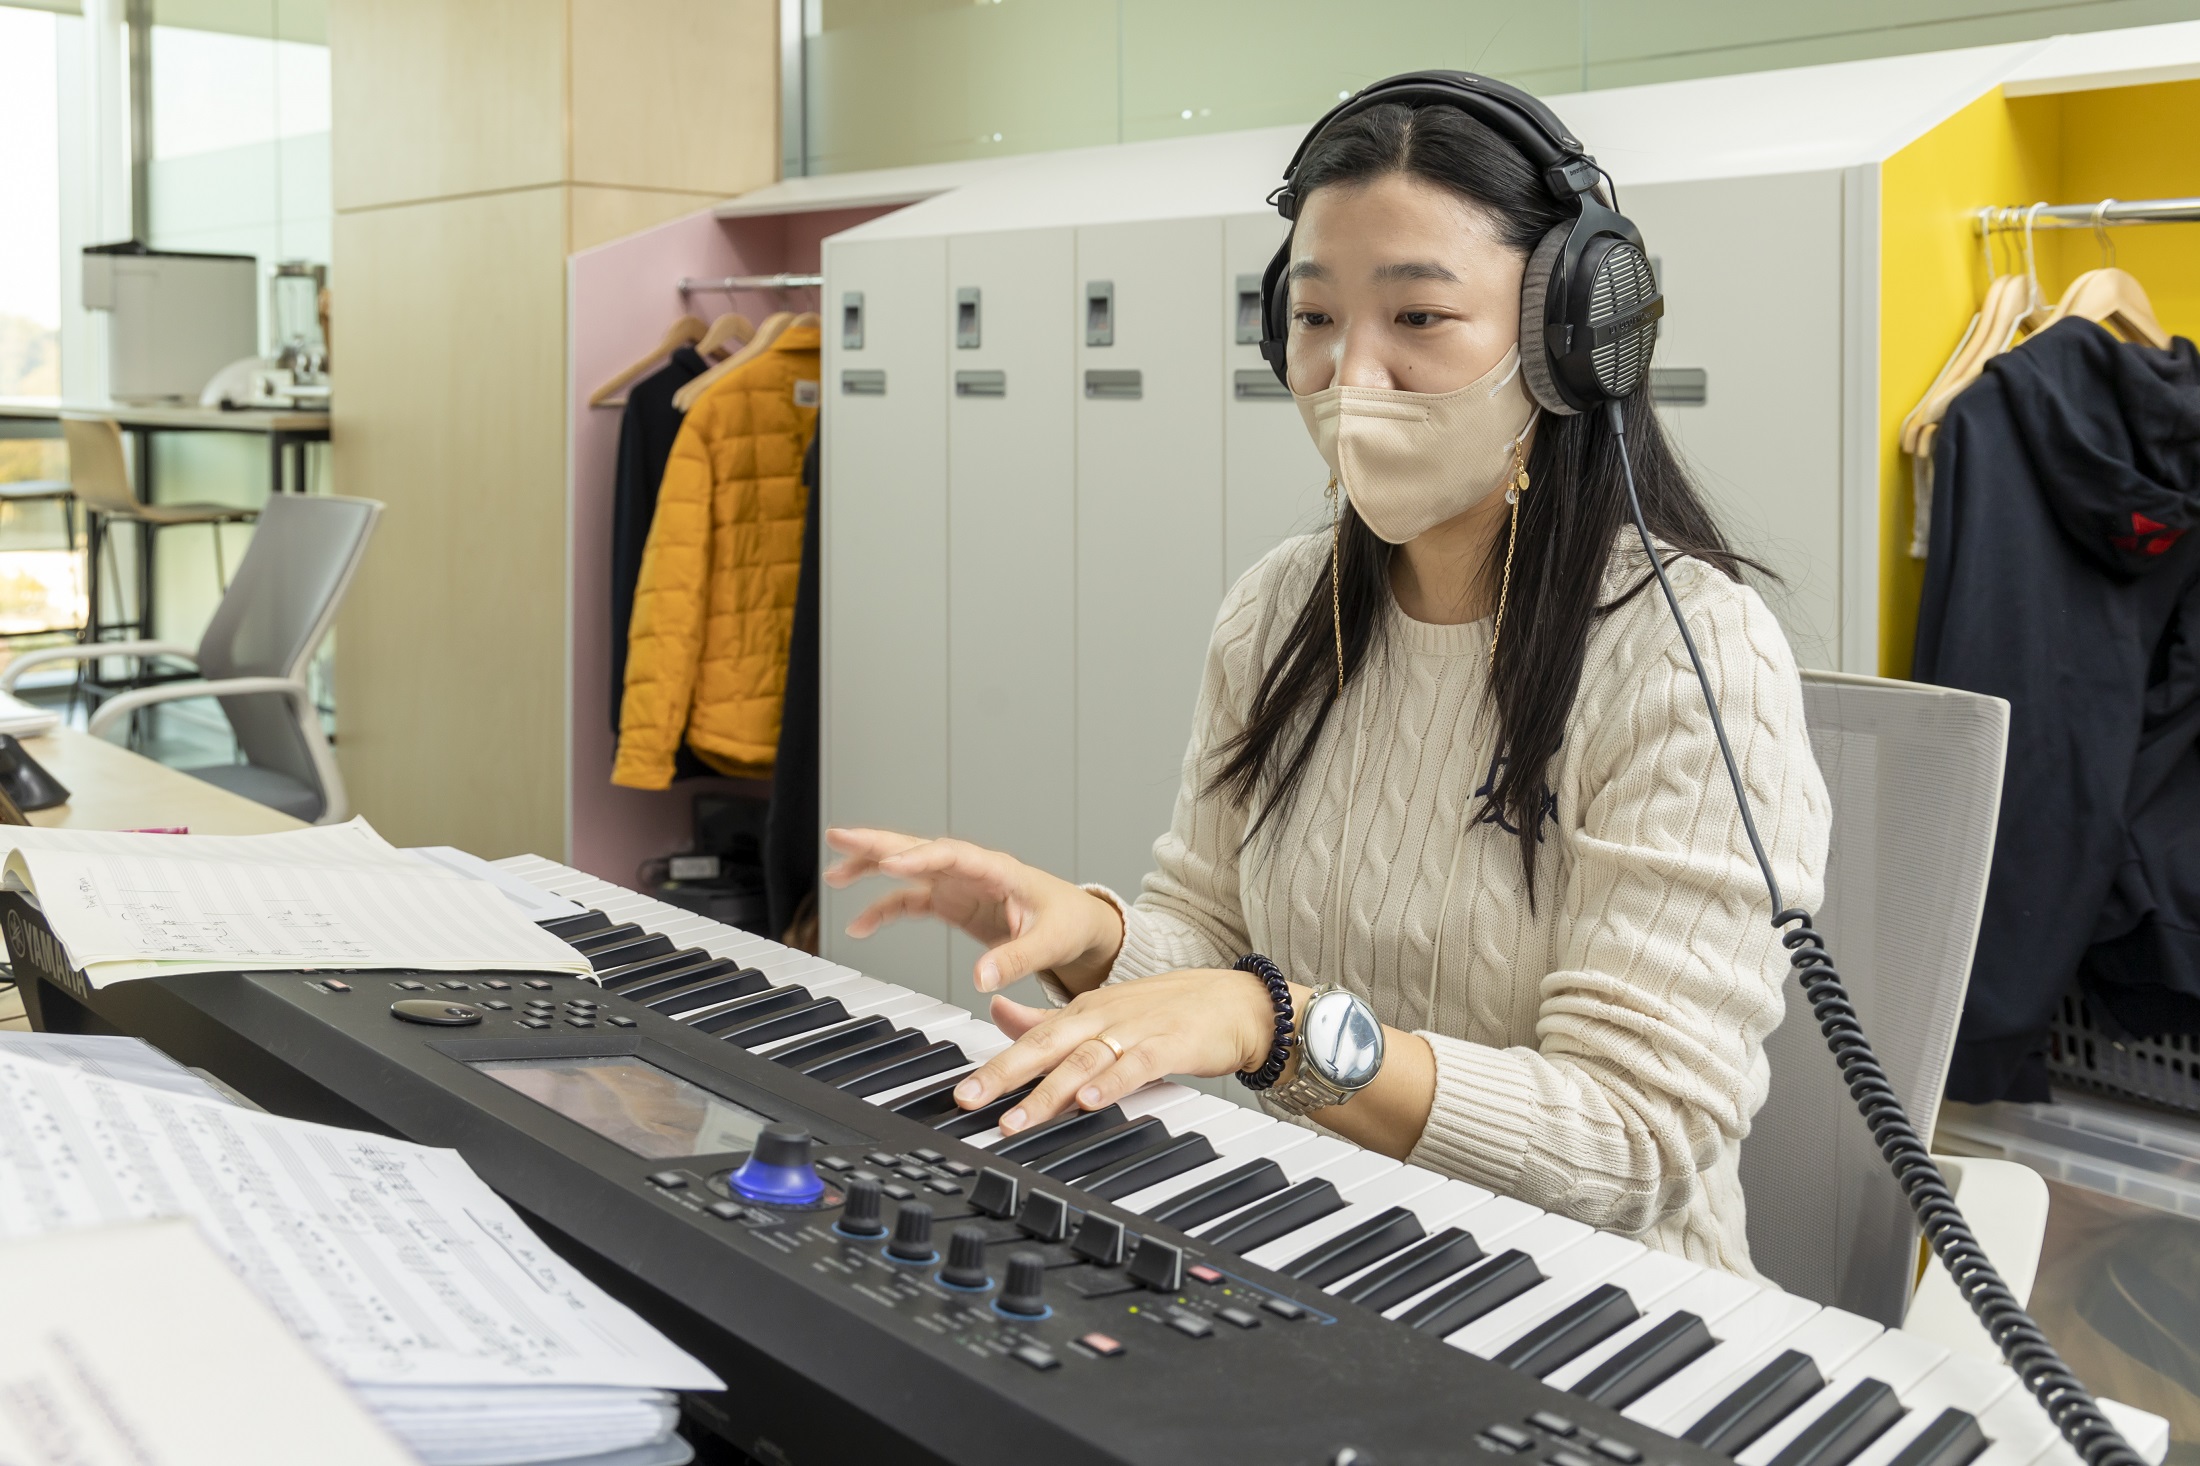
x: 2137, y: 143
x: 452, y: 678
x: 676, y: 94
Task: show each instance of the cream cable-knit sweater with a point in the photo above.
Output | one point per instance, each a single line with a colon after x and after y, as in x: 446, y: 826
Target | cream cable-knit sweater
x: 1600, y: 1053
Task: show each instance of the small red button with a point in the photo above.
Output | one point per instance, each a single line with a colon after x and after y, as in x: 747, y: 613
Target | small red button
x: 1201, y: 1273
x: 1101, y: 1345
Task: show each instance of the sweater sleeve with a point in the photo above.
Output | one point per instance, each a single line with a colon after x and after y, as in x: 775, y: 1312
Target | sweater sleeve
x: 1188, y: 913
x: 1649, y: 1058
x: 665, y: 637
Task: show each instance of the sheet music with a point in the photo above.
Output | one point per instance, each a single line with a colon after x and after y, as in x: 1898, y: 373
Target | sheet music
x: 351, y: 844
x: 534, y: 903
x: 137, y: 1346
x: 393, y: 1262
x: 110, y: 1056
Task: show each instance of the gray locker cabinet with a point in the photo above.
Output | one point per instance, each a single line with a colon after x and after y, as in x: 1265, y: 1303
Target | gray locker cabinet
x: 1149, y: 530
x: 1272, y: 476
x: 1012, y: 593
x: 1767, y: 443
x: 885, y: 583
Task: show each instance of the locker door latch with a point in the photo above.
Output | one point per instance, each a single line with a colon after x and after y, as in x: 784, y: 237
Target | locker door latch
x: 966, y: 318
x: 851, y: 321
x: 1099, y: 312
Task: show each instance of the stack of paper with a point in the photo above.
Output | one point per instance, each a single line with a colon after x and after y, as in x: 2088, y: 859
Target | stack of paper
x: 469, y: 1340
x: 339, y: 896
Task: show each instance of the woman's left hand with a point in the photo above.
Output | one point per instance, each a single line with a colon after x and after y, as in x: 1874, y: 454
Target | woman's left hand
x: 1202, y: 1021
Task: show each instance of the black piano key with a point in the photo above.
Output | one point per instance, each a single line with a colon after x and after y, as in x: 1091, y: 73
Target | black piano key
x: 1492, y: 1285
x: 1953, y: 1439
x: 1150, y: 1167
x: 566, y: 928
x: 710, y: 991
x: 625, y: 954
x: 1849, y: 1425
x: 1275, y: 1217
x: 1224, y: 1193
x: 1757, y: 1405
x: 900, y: 1069
x: 1669, y: 1346
x: 809, y: 1017
x: 607, y: 936
x: 741, y: 1010
x: 965, y: 1123
x: 833, y: 1043
x: 1355, y: 1247
x: 1572, y: 1331
x: 934, y: 1101
x: 1416, y: 1270
x: 1098, y: 1152
x: 663, y: 974
x: 1056, y: 1134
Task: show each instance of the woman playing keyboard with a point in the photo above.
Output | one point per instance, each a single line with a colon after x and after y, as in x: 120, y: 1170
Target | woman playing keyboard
x: 1454, y: 870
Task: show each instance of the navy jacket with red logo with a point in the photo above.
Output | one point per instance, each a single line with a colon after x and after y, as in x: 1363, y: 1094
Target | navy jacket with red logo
x: 2064, y: 577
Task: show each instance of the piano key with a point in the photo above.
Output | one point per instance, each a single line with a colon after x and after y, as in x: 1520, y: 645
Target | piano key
x: 799, y: 1054
x: 1569, y: 1273
x: 934, y: 1101
x: 1339, y: 1162
x: 1960, y: 1386
x: 1099, y: 1151
x: 1184, y: 1107
x: 1395, y: 1190
x: 2018, y: 1431
x: 896, y: 1070
x: 684, y: 960
x: 1652, y: 1355
x: 1056, y: 1134
x: 616, y: 934
x: 1157, y: 1163
x: 1239, y: 1186
x: 1264, y: 1142
x: 1847, y: 1426
x: 741, y: 1010
x: 869, y: 1053
x: 963, y: 1124
x: 1571, y: 1331
x: 1747, y: 1336
x: 1415, y: 1270
x: 1895, y: 1359
x: 812, y: 1015
x: 1707, y: 1294
x: 707, y: 992
x: 888, y: 1098
x: 639, y: 946
x: 1480, y: 1291
x: 565, y: 928
x: 1829, y: 1336
x: 1272, y: 1217
x: 1646, y: 1279
x: 1517, y: 1227
x: 1237, y: 1123
x: 1346, y: 1252
x: 1759, y: 1403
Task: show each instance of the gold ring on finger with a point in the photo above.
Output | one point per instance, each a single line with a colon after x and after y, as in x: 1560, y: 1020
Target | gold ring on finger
x: 1112, y: 1044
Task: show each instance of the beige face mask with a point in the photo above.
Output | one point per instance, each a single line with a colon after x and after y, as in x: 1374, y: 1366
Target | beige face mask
x: 1411, y: 460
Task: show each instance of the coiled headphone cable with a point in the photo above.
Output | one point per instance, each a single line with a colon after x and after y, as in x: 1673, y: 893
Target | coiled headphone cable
x: 2061, y: 1395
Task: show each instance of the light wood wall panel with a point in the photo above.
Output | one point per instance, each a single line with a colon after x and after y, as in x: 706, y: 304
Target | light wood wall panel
x: 432, y: 98
x: 599, y: 215
x: 451, y: 411
x: 676, y: 94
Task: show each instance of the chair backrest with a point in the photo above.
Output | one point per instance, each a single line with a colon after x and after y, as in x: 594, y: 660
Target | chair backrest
x: 1915, y: 777
x: 99, y: 475
x: 278, y: 610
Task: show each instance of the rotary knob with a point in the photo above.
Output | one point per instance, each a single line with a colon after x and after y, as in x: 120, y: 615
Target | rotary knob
x: 859, y: 1213
x: 778, y: 1172
x: 1024, y: 1293
x: 966, y: 1259
x: 912, y: 1234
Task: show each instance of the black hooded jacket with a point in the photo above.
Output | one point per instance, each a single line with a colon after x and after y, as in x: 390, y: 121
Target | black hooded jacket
x: 2064, y: 578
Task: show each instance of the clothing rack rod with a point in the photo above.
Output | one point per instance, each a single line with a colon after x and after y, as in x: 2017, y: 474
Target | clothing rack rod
x: 689, y: 284
x: 2088, y: 216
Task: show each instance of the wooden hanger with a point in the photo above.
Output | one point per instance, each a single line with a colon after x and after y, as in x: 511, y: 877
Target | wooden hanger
x: 729, y: 332
x: 775, y: 326
x: 2007, y: 301
x: 685, y: 330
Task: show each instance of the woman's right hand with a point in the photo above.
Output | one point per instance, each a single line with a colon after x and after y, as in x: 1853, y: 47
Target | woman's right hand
x: 1027, y: 920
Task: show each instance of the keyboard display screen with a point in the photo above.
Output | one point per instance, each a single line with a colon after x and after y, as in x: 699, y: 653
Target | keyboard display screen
x: 631, y: 1102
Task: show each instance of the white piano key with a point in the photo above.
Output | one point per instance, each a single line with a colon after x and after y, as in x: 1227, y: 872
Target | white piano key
x: 1830, y: 1336
x: 1956, y: 1383
x: 1439, y: 1205
x: 1318, y: 1151
x: 1748, y: 1337
x: 1239, y: 1121
x: 1895, y: 1359
x: 1567, y: 1275
x: 1709, y: 1294
x: 2019, y: 1430
x: 1364, y: 1202
x: 1356, y: 1167
x: 891, y: 1004
x: 974, y: 1036
x: 1647, y: 1277
x: 1158, y: 1097
x: 886, y: 1097
x: 1509, y: 1225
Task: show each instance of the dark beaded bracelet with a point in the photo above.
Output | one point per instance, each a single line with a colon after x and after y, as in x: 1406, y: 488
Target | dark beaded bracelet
x: 1279, y: 993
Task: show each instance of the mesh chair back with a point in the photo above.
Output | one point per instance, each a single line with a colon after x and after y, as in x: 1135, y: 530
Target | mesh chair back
x: 99, y: 475
x: 1915, y: 777
x: 276, y: 613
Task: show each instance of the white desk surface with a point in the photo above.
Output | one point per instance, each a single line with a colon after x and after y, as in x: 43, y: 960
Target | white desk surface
x: 111, y: 788
x: 215, y: 419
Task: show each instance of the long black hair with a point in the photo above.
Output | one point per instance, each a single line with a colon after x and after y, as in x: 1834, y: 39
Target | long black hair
x: 1570, y: 517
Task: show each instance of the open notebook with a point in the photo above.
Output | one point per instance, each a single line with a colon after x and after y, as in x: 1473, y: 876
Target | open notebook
x: 127, y: 906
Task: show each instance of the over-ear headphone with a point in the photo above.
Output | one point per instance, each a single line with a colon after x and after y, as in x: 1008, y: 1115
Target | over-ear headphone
x: 1590, y: 304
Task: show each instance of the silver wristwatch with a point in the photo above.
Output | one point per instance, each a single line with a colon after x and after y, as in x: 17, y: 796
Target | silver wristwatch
x: 1340, y: 1053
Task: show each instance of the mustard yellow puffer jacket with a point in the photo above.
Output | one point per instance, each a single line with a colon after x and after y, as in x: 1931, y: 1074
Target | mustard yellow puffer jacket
x: 707, y: 648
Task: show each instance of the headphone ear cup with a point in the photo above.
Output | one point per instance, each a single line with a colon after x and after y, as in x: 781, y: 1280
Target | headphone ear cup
x: 1535, y: 290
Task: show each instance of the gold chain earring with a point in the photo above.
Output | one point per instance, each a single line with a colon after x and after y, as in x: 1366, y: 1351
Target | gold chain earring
x: 1513, y: 492
x: 1336, y: 598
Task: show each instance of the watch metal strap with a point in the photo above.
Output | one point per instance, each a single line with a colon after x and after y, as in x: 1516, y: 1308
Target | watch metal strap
x: 1308, y: 1090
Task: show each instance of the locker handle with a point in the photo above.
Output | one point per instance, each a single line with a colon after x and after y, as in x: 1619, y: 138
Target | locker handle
x: 1248, y: 311
x: 1258, y: 384
x: 851, y: 321
x: 981, y: 384
x: 966, y: 318
x: 868, y: 382
x: 1099, y: 312
x: 1117, y: 385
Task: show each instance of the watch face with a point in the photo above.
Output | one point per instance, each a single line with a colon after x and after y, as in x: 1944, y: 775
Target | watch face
x: 1343, y: 1041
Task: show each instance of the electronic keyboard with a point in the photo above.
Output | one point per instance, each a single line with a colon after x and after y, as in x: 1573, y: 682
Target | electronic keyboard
x: 758, y: 1150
